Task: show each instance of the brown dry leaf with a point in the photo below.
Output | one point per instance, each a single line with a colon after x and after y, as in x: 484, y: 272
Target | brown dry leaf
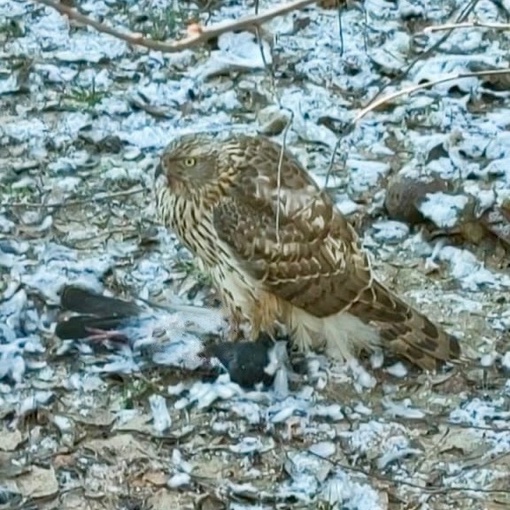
x: 212, y: 470
x: 330, y: 4
x: 165, y: 499
x: 38, y: 483
x: 9, y: 440
x: 8, y: 468
x: 498, y: 81
x: 140, y: 423
x: 473, y: 232
x: 499, y: 501
x: 157, y: 478
x: 96, y: 418
x: 455, y: 382
x: 123, y: 446
x: 210, y: 503
x: 497, y: 222
x: 63, y: 461
x: 455, y: 441
x: 73, y: 500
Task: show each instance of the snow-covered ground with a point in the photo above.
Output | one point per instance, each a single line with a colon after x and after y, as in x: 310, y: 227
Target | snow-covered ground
x: 83, y: 118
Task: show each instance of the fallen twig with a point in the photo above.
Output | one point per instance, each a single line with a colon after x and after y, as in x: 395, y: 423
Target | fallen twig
x: 199, y: 36
x: 467, y: 24
x: 468, y: 9
x: 409, y: 90
x: 374, y: 101
x: 72, y: 203
x: 390, y: 97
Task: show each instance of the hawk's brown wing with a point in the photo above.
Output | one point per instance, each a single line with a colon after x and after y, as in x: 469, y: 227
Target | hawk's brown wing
x: 314, y: 268
x: 309, y: 255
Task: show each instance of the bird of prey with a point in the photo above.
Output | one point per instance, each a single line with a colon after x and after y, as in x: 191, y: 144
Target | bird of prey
x: 281, y: 253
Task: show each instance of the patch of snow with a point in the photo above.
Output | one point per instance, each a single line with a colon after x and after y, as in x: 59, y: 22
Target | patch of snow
x: 390, y: 231
x: 468, y: 270
x: 443, y: 209
x: 364, y: 175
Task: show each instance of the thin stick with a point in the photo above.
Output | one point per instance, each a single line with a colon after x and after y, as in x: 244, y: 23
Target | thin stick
x: 409, y: 90
x: 471, y: 24
x: 279, y: 176
x: 340, y: 30
x: 460, y: 19
x: 72, y: 203
x: 390, y: 97
x: 192, y: 40
x: 462, y: 16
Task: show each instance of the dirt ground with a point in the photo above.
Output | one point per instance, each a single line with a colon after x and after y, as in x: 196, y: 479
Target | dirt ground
x: 83, y: 119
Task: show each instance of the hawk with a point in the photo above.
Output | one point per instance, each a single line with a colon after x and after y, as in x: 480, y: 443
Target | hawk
x: 280, y: 252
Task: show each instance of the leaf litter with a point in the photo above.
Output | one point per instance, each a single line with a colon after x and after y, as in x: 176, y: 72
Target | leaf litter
x: 83, y: 120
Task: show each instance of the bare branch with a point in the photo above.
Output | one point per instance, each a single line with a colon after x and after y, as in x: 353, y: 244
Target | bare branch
x: 200, y: 36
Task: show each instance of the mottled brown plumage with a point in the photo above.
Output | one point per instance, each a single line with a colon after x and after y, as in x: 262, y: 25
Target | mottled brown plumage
x: 285, y: 253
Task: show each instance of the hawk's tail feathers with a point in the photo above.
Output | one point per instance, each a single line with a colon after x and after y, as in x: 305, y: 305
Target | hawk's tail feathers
x: 409, y: 333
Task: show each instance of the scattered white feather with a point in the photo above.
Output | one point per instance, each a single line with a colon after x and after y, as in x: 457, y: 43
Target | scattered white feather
x: 360, y: 374
x: 247, y: 445
x: 63, y: 423
x: 487, y: 360
x: 401, y: 409
x: 364, y: 174
x: 398, y: 453
x: 282, y: 415
x: 377, y: 359
x: 179, y: 462
x: 390, y: 231
x: 341, y: 491
x: 236, y: 52
x: 332, y: 412
x: 471, y: 273
x: 179, y: 480
x: 397, y: 369
x: 160, y: 415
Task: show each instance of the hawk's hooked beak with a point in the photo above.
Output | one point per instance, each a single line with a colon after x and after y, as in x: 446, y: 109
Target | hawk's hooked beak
x: 159, y: 171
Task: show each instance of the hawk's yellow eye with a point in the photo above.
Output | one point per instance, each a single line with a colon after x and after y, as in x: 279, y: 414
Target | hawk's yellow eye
x: 190, y: 162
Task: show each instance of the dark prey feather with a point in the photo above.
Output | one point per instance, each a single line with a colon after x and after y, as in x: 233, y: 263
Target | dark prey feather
x: 97, y: 312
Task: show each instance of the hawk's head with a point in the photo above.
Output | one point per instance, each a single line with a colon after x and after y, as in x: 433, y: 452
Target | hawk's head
x: 189, y: 165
